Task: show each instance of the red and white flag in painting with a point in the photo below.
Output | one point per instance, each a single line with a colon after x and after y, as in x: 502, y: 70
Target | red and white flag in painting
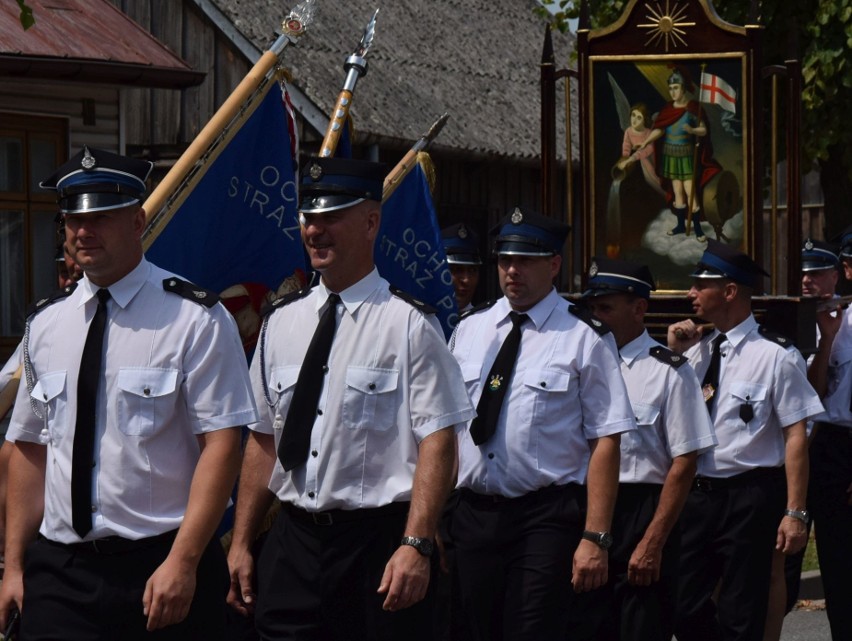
x: 716, y: 91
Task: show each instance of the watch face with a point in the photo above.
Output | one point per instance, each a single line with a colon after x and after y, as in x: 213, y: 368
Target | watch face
x: 606, y: 540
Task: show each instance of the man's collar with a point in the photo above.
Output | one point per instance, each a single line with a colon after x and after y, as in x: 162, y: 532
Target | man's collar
x: 122, y: 291
x: 538, y: 313
x: 354, y: 295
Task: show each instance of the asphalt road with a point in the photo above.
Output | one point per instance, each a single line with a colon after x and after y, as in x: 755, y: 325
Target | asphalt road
x: 808, y: 622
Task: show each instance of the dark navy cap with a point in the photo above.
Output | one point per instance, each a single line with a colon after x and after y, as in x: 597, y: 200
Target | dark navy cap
x: 611, y: 276
x: 723, y: 261
x: 461, y: 245
x: 818, y: 255
x: 329, y: 184
x: 527, y: 233
x: 846, y: 242
x: 97, y: 180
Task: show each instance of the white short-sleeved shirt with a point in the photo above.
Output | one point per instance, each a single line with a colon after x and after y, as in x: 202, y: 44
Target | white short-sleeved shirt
x: 771, y: 378
x: 391, y: 383
x: 838, y: 395
x: 173, y: 369
x: 566, y: 389
x: 669, y: 408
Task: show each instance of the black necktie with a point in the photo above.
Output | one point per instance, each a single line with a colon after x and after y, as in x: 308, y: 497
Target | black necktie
x: 491, y: 401
x: 83, y: 456
x: 710, y: 384
x: 296, y: 439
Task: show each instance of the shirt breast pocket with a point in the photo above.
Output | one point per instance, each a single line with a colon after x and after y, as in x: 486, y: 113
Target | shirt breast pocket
x: 146, y: 398
x: 545, y: 390
x: 646, y: 419
x: 50, y: 396
x: 370, y: 399
x: 282, y: 384
x: 750, y: 402
x: 470, y: 374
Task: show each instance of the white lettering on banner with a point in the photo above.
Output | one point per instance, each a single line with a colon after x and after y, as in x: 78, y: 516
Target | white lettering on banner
x: 257, y: 199
x: 419, y: 260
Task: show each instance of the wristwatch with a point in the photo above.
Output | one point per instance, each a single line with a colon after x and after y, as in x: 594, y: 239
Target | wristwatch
x: 803, y: 515
x: 602, y: 539
x: 424, y: 546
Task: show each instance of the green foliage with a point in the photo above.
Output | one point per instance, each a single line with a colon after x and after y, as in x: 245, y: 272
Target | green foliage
x: 27, y: 19
x: 816, y: 32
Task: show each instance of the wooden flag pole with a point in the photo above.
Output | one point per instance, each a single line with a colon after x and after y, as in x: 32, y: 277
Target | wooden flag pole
x: 293, y: 27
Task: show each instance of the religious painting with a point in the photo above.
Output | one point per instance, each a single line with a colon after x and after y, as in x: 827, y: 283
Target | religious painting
x: 669, y: 159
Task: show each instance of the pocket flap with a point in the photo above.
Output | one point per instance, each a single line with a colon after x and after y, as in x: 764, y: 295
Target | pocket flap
x: 842, y: 356
x: 547, y: 380
x: 645, y: 414
x: 747, y: 391
x: 48, y: 386
x: 147, y: 382
x: 470, y: 371
x: 283, y: 378
x: 371, y: 380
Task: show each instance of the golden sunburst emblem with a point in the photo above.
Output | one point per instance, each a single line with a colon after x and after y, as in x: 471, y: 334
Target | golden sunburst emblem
x: 666, y: 25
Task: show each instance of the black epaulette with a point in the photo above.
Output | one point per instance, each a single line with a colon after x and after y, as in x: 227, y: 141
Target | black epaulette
x: 191, y: 292
x: 477, y: 309
x: 585, y: 315
x: 47, y: 301
x: 286, y: 299
x: 775, y: 337
x: 408, y: 298
x: 667, y: 356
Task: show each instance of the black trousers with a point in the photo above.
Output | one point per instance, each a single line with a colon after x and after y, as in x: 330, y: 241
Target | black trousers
x: 619, y: 611
x: 514, y: 561
x: 318, y: 582
x: 728, y: 534
x: 828, y: 500
x: 76, y: 594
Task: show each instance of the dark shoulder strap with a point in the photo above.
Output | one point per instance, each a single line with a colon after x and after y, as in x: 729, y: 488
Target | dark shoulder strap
x: 585, y: 315
x: 192, y: 292
x: 53, y: 297
x: 667, y: 356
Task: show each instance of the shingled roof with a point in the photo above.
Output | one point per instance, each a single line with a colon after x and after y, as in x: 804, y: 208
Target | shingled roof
x: 87, y: 41
x: 478, y: 60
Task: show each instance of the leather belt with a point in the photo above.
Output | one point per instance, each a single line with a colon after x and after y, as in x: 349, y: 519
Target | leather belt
x: 114, y: 545
x: 710, y: 483
x: 490, y: 499
x: 334, y: 517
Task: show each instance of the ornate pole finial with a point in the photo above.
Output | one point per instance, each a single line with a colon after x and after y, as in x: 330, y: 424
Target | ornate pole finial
x: 355, y: 66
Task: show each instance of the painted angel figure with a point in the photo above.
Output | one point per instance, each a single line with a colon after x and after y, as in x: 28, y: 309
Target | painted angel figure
x: 636, y: 122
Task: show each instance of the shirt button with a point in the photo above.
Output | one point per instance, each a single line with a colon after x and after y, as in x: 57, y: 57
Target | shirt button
x: 543, y: 384
x: 491, y: 455
x: 94, y: 509
x: 319, y: 412
x: 310, y: 495
x: 314, y: 453
x: 147, y: 391
x: 325, y: 369
x: 372, y: 386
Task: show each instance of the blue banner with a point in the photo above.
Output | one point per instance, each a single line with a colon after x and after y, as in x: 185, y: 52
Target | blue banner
x: 237, y: 233
x: 409, y: 252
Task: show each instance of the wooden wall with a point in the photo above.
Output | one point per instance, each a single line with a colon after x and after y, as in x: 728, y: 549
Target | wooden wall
x: 67, y: 101
x: 161, y: 122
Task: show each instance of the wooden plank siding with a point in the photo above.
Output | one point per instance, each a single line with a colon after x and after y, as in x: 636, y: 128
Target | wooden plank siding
x: 65, y: 100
